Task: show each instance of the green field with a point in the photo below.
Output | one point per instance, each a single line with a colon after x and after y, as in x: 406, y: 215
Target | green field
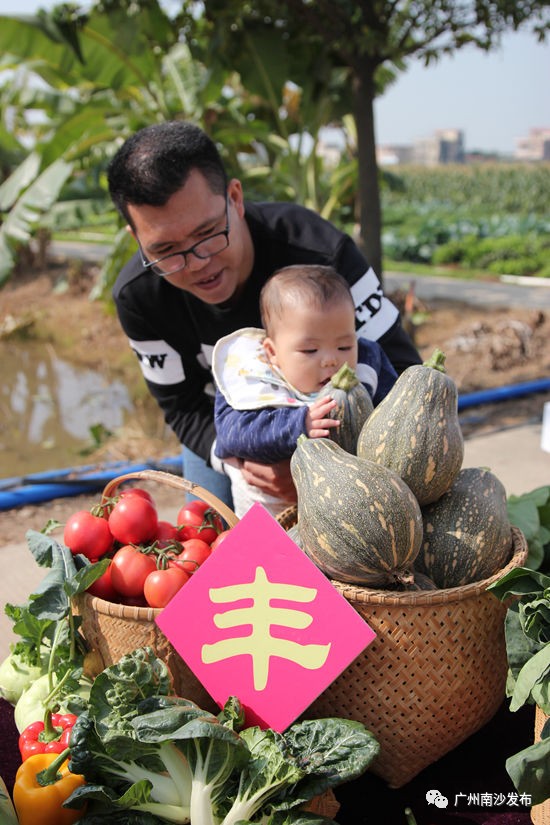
x: 490, y: 217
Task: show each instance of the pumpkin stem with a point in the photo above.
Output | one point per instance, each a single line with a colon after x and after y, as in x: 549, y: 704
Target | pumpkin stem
x: 436, y: 360
x: 404, y: 577
x: 345, y: 378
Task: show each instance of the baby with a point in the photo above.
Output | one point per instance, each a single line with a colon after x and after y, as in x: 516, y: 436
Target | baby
x: 268, y: 380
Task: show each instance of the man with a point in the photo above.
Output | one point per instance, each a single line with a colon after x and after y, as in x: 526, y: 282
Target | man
x: 204, y: 254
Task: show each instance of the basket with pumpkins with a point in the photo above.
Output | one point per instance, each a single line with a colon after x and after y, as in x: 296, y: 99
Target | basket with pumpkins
x: 412, y: 540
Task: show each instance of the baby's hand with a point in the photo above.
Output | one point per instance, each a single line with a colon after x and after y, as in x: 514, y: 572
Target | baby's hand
x: 318, y: 425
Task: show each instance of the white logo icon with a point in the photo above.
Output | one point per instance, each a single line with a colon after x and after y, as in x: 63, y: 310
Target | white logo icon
x: 436, y: 798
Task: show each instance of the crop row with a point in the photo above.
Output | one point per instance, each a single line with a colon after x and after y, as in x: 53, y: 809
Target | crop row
x: 494, y: 218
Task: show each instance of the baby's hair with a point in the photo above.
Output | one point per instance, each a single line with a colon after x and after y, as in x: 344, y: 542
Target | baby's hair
x: 309, y: 284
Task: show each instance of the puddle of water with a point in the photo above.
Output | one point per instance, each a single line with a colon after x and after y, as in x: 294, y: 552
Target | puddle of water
x: 47, y: 407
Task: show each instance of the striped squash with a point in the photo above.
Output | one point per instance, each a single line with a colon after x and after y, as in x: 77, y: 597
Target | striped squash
x: 467, y: 533
x: 415, y: 430
x: 354, y: 406
x: 358, y: 521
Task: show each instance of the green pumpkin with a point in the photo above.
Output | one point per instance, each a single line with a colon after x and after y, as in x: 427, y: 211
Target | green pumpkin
x: 415, y: 430
x: 358, y: 522
x: 294, y: 534
x: 467, y: 533
x: 354, y: 405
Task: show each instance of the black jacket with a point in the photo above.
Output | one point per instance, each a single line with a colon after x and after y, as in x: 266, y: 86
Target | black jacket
x: 173, y: 333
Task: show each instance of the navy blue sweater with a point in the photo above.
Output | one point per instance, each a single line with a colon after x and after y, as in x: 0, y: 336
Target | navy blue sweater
x: 270, y: 434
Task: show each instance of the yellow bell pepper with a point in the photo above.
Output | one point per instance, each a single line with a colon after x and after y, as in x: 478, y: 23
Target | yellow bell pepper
x: 42, y: 783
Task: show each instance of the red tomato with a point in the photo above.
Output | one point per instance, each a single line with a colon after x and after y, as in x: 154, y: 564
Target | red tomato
x: 196, y: 506
x: 167, y: 531
x: 87, y: 534
x: 217, y: 541
x: 129, y: 569
x: 133, y: 520
x: 162, y: 585
x: 194, y: 552
x: 138, y: 491
x: 103, y: 587
x: 197, y: 520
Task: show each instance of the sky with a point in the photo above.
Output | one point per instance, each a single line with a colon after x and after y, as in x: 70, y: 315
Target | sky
x: 493, y: 98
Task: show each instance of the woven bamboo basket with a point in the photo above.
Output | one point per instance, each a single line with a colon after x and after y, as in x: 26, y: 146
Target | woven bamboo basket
x: 113, y: 630
x: 434, y: 675
x: 540, y: 814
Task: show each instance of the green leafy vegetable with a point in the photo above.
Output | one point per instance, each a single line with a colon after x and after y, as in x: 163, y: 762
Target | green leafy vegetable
x: 118, y: 690
x: 527, y: 632
x: 210, y: 750
x: 124, y: 773
x: 267, y: 774
x: 531, y: 513
x: 50, y: 645
x: 7, y: 811
x: 331, y: 751
x: 144, y: 750
x: 528, y: 770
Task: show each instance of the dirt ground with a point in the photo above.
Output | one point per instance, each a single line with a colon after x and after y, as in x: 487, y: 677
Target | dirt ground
x: 484, y: 349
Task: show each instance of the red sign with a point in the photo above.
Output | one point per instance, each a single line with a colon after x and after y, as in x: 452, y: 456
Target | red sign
x: 258, y: 620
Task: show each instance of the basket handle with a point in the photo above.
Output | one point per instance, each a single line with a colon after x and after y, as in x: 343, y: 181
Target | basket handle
x: 174, y: 481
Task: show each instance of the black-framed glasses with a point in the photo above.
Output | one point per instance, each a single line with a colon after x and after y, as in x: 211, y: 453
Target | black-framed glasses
x: 176, y: 261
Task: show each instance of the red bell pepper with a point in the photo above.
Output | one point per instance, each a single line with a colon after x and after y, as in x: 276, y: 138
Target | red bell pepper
x: 51, y: 736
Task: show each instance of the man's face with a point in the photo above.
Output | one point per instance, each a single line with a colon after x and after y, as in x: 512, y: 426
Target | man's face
x: 192, y: 214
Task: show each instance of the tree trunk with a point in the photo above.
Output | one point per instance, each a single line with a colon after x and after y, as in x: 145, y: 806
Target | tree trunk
x: 370, y: 216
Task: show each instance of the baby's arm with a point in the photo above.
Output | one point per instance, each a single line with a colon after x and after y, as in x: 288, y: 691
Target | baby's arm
x: 265, y: 435
x: 318, y: 425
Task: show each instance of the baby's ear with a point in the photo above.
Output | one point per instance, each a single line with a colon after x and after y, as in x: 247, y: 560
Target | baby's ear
x: 269, y: 348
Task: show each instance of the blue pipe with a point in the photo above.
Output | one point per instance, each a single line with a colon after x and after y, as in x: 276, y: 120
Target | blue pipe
x: 74, y: 481
x: 70, y: 474
x: 491, y: 396
x: 40, y: 487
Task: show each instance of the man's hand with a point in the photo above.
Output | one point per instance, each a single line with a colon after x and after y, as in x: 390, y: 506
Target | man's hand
x: 317, y: 423
x: 274, y: 479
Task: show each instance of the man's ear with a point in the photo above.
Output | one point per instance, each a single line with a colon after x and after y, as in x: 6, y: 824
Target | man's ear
x: 236, y: 196
x: 129, y: 229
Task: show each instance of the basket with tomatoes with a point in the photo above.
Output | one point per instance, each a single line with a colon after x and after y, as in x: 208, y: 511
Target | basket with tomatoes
x: 142, y: 561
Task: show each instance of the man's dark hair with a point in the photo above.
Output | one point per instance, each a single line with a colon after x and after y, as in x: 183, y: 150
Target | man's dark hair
x: 156, y: 161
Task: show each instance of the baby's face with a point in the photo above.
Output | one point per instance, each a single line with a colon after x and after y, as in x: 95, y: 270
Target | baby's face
x: 311, y: 344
